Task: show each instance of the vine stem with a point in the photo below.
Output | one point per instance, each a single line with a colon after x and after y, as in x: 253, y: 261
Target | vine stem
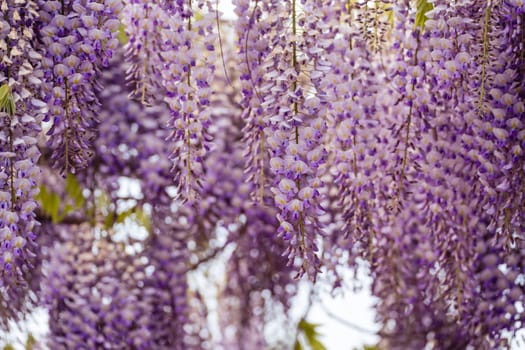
x: 261, y: 189
x: 188, y: 134
x: 220, y: 42
x: 246, y: 52
x: 11, y: 145
x: 407, y: 134
x: 296, y: 111
x: 349, y: 9
x: 66, y: 110
x: 485, y: 55
x: 259, y: 97
x: 145, y: 63
x: 66, y: 135
x: 11, y: 168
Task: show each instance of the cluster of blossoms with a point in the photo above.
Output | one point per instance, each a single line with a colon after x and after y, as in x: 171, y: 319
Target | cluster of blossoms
x: 168, y: 254
x: 447, y: 212
x: 19, y: 129
x: 358, y: 139
x: 79, y: 37
x: 131, y: 140
x: 143, y: 22
x: 103, y: 308
x: 285, y: 118
x: 173, y: 45
x: 258, y: 277
x: 254, y: 31
x: 385, y: 132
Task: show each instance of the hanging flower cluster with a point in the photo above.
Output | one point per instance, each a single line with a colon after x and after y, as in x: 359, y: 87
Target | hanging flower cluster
x: 78, y: 38
x: 172, y: 51
x: 107, y: 309
x: 385, y: 133
x: 143, y: 22
x: 286, y: 120
x: 20, y: 121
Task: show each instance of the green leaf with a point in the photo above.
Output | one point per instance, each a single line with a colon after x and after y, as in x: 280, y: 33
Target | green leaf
x: 135, y: 213
x: 9, y: 347
x: 109, y: 220
x: 68, y: 208
x: 4, y: 91
x: 53, y: 205
x: 49, y: 202
x: 121, y: 217
x: 122, y: 35
x: 30, y: 342
x: 142, y: 218
x: 311, y: 334
x: 74, y: 191
x: 297, y: 345
x: 423, y: 6
x: 7, y: 101
x: 316, y: 345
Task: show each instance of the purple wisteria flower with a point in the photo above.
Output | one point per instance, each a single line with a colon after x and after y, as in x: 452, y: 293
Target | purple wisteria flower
x: 149, y: 200
x: 20, y: 118
x: 78, y: 38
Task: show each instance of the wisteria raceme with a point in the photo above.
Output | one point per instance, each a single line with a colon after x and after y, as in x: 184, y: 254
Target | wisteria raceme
x: 357, y: 133
x: 79, y: 37
x: 131, y: 140
x: 447, y: 196
x: 254, y: 33
x: 499, y: 125
x: 293, y: 129
x: 149, y: 200
x: 20, y: 118
x: 257, y: 266
x: 250, y: 275
x: 169, y: 254
x: 372, y: 21
x: 143, y: 22
x: 188, y: 64
x: 103, y: 308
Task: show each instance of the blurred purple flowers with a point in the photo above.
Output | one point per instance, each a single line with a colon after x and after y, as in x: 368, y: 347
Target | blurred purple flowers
x: 336, y: 134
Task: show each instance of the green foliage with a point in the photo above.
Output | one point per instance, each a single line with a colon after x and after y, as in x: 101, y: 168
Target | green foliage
x: 74, y: 192
x: 7, y: 102
x: 143, y: 218
x: 4, y: 91
x: 311, y: 335
x: 423, y: 6
x: 122, y: 35
x: 135, y: 213
x: 51, y: 204
x: 368, y: 347
x: 30, y: 342
x: 57, y: 208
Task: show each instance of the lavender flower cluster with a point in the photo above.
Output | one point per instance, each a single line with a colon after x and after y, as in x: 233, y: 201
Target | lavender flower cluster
x: 20, y: 125
x: 141, y: 147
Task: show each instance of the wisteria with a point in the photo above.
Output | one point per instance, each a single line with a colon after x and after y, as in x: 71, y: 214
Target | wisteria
x: 176, y: 174
x: 20, y: 120
x: 78, y: 38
